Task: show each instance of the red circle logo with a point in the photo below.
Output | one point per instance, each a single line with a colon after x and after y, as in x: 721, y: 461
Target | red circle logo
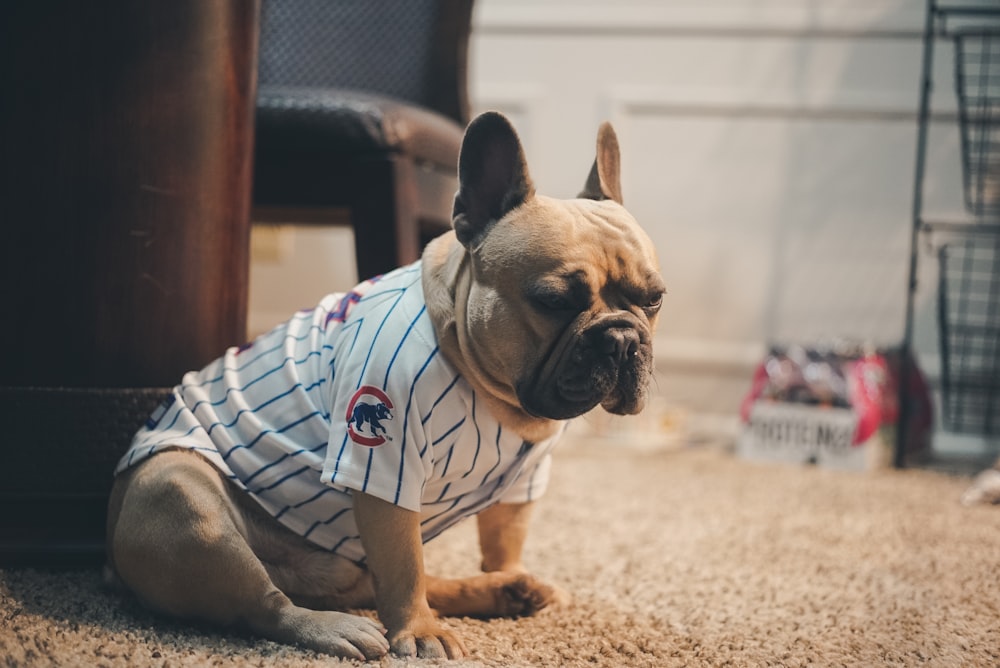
x: 367, y: 410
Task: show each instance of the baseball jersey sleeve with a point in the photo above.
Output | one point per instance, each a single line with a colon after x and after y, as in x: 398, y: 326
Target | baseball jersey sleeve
x: 377, y: 442
x: 376, y: 451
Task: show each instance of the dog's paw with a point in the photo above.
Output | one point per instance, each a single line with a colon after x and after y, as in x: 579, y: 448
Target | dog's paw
x: 985, y: 489
x: 523, y: 595
x: 427, y: 639
x: 335, y: 633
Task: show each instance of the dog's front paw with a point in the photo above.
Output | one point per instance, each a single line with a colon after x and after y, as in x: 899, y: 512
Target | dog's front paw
x: 523, y: 595
x: 426, y: 638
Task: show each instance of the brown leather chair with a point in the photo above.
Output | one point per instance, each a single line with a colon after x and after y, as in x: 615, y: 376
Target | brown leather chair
x: 361, y: 106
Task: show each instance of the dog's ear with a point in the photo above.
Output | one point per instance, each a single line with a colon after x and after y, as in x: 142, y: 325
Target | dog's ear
x: 492, y: 177
x: 604, y: 181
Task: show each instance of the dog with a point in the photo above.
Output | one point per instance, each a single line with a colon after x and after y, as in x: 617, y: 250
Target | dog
x: 256, y: 495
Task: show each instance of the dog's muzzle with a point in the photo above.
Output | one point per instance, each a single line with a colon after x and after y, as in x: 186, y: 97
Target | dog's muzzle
x: 608, y: 364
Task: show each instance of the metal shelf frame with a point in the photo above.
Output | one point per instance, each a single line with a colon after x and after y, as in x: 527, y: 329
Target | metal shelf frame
x: 975, y: 28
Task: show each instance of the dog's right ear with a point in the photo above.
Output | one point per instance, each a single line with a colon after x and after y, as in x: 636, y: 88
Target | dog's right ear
x: 492, y: 177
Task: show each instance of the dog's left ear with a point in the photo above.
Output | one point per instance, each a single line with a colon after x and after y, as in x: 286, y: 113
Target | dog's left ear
x: 604, y: 181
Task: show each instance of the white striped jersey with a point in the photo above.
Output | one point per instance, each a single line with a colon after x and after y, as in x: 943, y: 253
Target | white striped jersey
x: 351, y: 395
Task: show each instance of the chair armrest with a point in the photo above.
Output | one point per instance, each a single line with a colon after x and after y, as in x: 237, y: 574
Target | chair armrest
x: 341, y: 121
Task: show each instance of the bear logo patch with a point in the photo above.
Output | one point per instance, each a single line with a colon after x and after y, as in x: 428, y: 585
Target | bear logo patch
x: 367, y: 410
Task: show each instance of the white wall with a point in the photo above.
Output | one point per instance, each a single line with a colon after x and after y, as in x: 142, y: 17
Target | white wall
x: 293, y: 268
x: 768, y: 148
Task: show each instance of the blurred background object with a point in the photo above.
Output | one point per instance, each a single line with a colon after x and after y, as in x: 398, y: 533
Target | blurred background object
x: 360, y: 114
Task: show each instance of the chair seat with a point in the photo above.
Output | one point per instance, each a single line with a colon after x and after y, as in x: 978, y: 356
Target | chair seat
x: 345, y: 122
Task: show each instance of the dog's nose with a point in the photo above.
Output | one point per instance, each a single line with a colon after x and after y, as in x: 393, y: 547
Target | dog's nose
x: 620, y: 343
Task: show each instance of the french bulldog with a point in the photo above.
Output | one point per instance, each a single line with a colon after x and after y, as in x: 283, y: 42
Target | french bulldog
x: 297, y: 477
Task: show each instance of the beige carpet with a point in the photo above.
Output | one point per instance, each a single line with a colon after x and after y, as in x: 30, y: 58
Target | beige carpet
x: 682, y: 558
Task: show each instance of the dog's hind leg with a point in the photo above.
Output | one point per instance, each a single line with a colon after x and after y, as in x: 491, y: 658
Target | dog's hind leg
x: 506, y: 589
x: 177, y: 540
x: 500, y: 594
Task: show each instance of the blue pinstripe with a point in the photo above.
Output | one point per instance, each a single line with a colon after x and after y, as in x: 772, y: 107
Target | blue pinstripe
x: 437, y: 401
x: 406, y: 415
x: 395, y: 353
x: 244, y: 388
x: 479, y: 438
x: 268, y: 432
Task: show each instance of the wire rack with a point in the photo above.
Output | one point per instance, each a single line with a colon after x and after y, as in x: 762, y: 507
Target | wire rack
x: 969, y: 270
x: 969, y: 258
x: 969, y: 326
x: 977, y: 84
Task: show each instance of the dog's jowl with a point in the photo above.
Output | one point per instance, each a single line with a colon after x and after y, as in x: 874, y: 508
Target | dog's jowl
x: 298, y: 476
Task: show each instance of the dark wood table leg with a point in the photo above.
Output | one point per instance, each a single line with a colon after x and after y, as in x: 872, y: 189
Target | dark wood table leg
x: 126, y: 150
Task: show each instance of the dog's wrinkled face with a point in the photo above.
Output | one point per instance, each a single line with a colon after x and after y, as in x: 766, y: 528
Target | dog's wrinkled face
x: 572, y: 289
x: 564, y: 293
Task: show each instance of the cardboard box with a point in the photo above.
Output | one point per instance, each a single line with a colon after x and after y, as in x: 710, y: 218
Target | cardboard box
x: 834, y: 408
x: 801, y: 434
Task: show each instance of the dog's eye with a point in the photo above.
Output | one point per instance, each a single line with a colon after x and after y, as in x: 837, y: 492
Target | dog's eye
x: 560, y: 295
x: 553, y: 301
x: 653, y: 304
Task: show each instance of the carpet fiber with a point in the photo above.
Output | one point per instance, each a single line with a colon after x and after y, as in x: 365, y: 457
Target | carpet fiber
x: 677, y: 558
